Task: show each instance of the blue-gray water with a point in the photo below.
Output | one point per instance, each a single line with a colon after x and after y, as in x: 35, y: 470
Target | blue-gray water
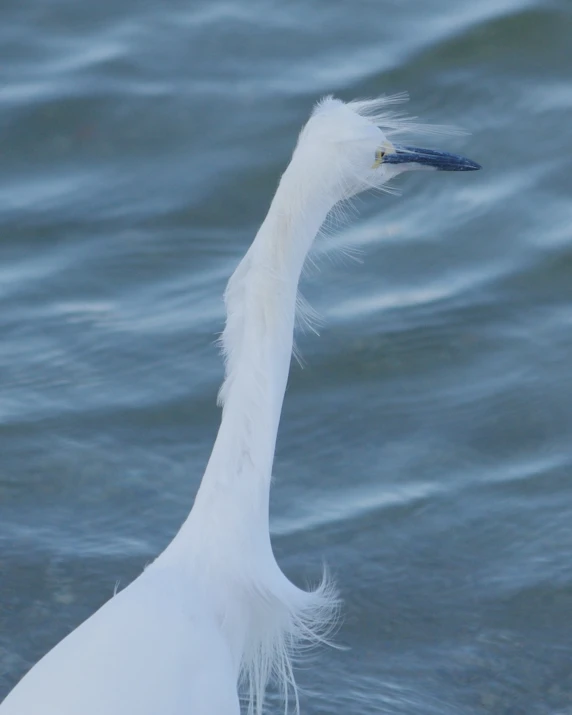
x: 425, y: 450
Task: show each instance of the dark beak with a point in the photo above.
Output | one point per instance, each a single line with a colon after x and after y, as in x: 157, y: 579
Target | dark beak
x: 440, y: 160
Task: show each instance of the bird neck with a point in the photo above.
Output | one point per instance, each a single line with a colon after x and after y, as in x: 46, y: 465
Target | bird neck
x: 257, y: 344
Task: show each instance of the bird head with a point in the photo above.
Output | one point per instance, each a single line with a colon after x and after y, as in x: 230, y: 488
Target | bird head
x: 346, y: 148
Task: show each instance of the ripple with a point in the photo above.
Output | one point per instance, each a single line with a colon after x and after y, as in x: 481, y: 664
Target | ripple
x: 351, y: 505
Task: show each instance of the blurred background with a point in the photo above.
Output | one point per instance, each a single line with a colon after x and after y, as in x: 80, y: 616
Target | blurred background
x: 425, y: 450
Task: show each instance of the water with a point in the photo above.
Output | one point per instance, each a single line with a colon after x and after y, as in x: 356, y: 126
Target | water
x: 425, y: 450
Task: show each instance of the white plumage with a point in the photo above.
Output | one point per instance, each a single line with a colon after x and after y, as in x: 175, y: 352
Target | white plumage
x: 215, y: 608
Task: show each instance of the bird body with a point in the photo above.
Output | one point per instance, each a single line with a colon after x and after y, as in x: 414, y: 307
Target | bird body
x: 152, y: 648
x: 215, y: 609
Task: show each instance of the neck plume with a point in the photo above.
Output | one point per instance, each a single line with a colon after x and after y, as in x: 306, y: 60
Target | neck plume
x: 268, y: 617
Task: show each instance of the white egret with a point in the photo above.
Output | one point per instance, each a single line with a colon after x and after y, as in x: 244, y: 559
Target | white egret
x: 215, y: 608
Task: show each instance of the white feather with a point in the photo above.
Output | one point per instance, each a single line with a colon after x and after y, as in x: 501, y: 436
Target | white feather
x: 215, y: 608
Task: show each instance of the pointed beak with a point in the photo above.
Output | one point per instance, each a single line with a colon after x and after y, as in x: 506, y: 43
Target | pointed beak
x: 440, y: 160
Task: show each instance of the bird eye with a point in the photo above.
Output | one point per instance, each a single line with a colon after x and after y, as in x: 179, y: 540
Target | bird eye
x: 379, y: 154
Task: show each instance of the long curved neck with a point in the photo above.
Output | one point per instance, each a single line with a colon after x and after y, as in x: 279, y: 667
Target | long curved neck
x: 257, y: 343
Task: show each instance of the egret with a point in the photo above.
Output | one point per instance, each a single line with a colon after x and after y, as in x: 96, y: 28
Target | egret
x: 214, y: 613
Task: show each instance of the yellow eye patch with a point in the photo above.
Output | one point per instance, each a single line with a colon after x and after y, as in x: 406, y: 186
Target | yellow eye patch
x: 386, y: 148
x: 379, y: 154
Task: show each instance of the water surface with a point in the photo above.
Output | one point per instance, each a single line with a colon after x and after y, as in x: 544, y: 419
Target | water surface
x: 425, y: 450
